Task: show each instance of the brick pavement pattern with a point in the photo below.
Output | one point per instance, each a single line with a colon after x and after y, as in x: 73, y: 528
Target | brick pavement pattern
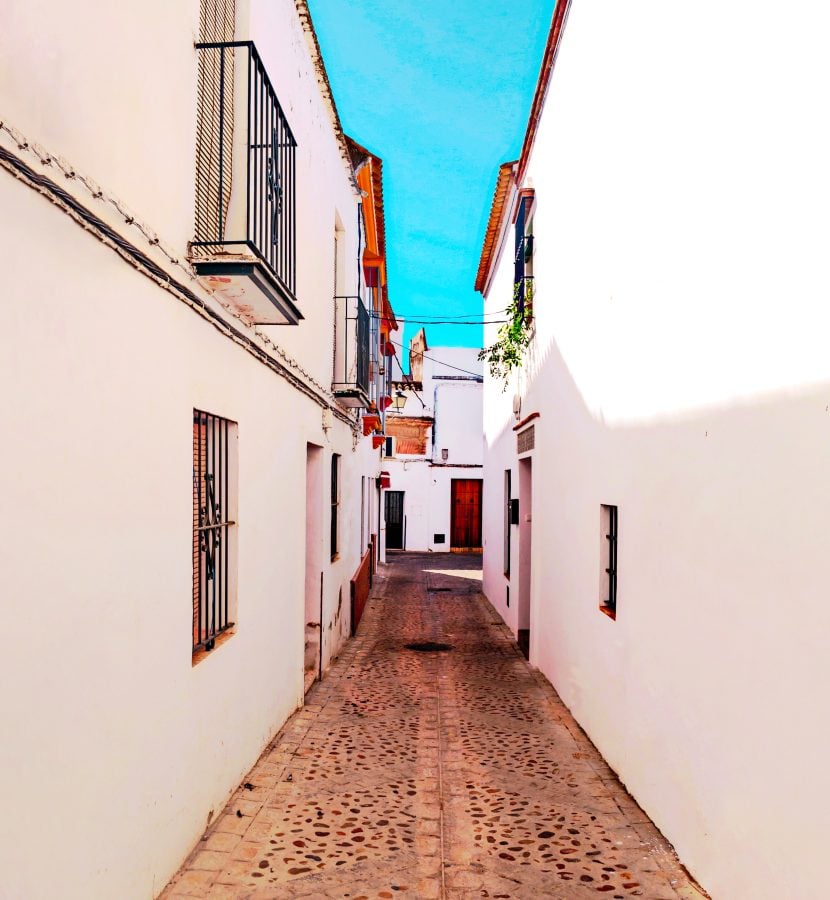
x: 455, y: 773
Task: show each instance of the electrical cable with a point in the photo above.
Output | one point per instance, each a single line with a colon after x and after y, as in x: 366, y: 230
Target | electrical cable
x: 450, y: 322
x: 475, y: 315
x: 407, y: 377
x: 435, y: 359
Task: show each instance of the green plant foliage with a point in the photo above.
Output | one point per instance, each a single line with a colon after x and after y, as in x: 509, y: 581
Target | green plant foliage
x: 513, y: 337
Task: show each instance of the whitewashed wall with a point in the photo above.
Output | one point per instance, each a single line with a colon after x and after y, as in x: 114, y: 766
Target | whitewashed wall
x: 452, y: 396
x: 116, y: 750
x: 681, y: 372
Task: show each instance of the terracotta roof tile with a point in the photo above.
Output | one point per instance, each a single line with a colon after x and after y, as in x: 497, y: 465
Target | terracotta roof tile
x: 494, y: 223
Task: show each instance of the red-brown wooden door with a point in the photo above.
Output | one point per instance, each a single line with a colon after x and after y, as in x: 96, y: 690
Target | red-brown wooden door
x: 465, y: 519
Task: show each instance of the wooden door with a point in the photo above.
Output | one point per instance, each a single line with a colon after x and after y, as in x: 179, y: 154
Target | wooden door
x: 394, y: 520
x: 465, y: 525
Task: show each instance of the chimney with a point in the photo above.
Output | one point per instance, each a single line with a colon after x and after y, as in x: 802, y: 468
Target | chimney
x: 417, y: 348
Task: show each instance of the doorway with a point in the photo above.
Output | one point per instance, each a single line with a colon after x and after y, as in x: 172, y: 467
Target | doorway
x: 525, y: 552
x: 394, y: 520
x: 465, y: 514
x: 312, y: 664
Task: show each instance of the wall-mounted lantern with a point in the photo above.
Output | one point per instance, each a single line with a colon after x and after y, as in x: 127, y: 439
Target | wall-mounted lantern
x: 400, y: 401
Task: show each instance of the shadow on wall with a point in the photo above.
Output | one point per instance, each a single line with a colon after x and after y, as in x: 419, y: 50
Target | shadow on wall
x: 722, y: 611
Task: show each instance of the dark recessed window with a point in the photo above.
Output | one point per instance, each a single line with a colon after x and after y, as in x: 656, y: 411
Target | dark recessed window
x: 507, y: 519
x: 335, y: 504
x: 523, y: 258
x: 609, y: 528
x: 214, y: 528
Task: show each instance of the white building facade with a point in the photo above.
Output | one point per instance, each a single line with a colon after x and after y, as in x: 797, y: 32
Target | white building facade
x: 190, y: 478
x: 433, y: 451
x: 656, y: 473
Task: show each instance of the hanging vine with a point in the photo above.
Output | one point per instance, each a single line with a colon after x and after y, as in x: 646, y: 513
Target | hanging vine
x: 513, y: 337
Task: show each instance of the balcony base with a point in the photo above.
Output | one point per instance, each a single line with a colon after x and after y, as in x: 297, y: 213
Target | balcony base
x: 248, y: 287
x: 351, y: 395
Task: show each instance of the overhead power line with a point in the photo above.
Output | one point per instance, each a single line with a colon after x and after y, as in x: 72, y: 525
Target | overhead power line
x: 443, y: 316
x: 400, y: 366
x: 436, y: 360
x: 450, y: 322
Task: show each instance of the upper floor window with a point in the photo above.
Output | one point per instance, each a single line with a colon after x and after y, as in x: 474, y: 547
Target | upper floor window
x: 523, y: 258
x: 245, y: 242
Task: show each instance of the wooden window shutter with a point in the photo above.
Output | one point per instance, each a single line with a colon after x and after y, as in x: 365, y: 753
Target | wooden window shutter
x: 216, y: 24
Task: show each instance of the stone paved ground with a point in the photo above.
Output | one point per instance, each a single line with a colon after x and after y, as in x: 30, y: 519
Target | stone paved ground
x: 427, y: 775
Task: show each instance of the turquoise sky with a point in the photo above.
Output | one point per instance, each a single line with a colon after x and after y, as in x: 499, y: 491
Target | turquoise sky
x: 441, y: 91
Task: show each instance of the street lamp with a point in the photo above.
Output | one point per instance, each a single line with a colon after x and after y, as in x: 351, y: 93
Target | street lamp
x: 399, y: 402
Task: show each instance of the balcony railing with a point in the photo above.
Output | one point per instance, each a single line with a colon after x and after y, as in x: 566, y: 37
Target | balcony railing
x: 351, y: 376
x: 523, y: 294
x: 246, y: 201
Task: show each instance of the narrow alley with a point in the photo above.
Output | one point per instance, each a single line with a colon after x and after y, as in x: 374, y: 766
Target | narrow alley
x: 432, y: 762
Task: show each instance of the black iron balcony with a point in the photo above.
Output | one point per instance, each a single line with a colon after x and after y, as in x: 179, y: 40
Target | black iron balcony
x: 351, y: 361
x: 523, y: 295
x: 245, y: 246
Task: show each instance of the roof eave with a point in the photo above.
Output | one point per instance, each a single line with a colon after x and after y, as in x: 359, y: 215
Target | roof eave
x: 489, y: 250
x: 325, y: 86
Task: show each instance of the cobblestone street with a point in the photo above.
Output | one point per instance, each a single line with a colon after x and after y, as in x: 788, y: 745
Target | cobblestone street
x: 453, y: 772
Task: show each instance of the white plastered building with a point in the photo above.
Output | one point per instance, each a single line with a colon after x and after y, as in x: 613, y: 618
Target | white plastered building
x: 433, y: 451
x: 187, y: 484
x: 670, y: 419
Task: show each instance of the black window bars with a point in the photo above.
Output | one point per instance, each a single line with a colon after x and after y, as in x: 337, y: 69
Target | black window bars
x: 523, y: 259
x: 267, y: 227
x: 335, y: 504
x: 611, y: 570
x: 355, y: 348
x: 211, y: 527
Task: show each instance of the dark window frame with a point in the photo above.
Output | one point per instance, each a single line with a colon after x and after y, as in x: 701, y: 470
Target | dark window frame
x: 214, y: 552
x: 508, y: 496
x: 335, y: 505
x: 523, y: 255
x: 610, y: 529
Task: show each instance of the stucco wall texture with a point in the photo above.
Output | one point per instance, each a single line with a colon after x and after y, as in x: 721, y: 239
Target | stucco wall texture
x: 680, y: 371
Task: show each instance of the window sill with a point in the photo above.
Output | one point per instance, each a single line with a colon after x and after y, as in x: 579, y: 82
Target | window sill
x: 607, y: 611
x: 199, y: 655
x: 335, y: 557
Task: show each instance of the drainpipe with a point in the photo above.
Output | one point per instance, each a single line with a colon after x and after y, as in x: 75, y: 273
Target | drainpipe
x: 434, y: 417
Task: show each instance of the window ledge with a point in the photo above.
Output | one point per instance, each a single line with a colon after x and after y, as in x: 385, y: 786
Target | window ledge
x: 607, y: 611
x: 199, y: 655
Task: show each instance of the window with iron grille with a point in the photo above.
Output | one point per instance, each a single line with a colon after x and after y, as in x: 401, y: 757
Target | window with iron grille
x: 507, y: 517
x: 609, y: 525
x: 214, y: 528
x: 335, y: 504
x: 389, y: 448
x: 523, y: 258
